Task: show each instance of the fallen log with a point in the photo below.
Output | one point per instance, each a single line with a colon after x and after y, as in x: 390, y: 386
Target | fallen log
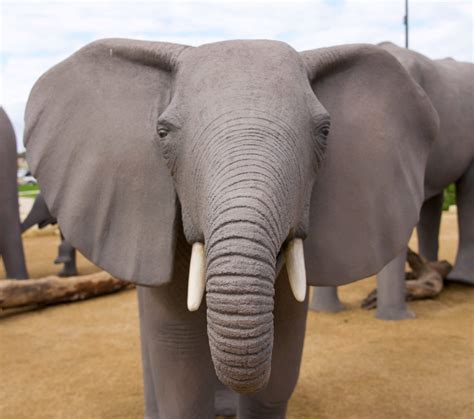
x: 429, y: 276
x: 53, y: 289
x: 424, y: 281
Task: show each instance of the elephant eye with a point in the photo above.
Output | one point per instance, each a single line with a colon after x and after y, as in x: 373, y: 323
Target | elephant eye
x: 162, y: 132
x: 325, y: 130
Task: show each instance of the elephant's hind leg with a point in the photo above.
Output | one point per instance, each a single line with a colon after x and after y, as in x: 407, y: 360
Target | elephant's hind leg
x: 428, y: 227
x: 463, y: 270
x: 66, y: 255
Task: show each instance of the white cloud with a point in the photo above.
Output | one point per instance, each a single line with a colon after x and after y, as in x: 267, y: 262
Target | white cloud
x: 36, y: 34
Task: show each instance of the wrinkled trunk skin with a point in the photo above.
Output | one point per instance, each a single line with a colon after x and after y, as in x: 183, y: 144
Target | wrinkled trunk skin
x: 240, y: 289
x: 247, y: 223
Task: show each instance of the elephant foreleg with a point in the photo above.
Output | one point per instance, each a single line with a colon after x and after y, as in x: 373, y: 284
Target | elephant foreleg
x: 12, y: 252
x: 226, y: 400
x: 428, y: 227
x: 290, y: 322
x: 179, y: 376
x: 151, y: 406
x: 325, y: 299
x: 463, y: 270
x: 391, y: 290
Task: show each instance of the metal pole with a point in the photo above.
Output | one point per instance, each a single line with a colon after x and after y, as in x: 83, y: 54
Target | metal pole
x: 405, y: 21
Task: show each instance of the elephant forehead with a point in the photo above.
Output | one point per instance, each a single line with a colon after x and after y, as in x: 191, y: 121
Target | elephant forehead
x: 237, y: 61
x: 257, y: 72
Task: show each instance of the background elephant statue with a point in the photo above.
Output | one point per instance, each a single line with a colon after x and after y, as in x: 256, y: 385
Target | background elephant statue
x: 11, y: 246
x: 450, y: 86
x: 40, y: 216
x: 195, y: 172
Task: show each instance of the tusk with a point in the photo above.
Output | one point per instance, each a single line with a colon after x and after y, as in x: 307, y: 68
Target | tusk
x: 197, y: 276
x: 294, y: 258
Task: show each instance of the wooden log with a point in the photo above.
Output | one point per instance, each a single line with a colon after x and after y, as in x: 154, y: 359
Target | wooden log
x: 53, y: 289
x: 416, y: 262
x: 370, y: 302
x: 419, y: 265
x: 424, y: 281
x: 429, y: 275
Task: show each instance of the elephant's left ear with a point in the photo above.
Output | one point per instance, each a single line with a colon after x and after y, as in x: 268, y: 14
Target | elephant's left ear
x: 91, y: 141
x: 368, y: 195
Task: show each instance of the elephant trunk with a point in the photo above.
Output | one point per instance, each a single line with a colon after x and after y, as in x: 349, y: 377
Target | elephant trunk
x: 240, y: 290
x: 244, y: 237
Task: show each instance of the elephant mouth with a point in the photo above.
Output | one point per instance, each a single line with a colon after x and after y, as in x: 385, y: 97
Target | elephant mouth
x: 292, y: 255
x: 280, y: 262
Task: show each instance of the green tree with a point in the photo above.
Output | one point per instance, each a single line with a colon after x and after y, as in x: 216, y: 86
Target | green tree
x: 449, y: 196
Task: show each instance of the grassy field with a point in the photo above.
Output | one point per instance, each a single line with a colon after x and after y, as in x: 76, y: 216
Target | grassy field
x: 28, y: 191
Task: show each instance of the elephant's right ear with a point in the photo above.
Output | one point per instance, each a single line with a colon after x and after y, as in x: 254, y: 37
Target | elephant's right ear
x: 368, y: 194
x: 92, y: 144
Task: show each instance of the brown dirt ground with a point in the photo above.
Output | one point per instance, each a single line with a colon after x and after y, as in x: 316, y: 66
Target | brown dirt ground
x: 82, y: 360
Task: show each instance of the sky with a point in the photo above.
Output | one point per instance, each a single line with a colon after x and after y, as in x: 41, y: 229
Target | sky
x: 36, y: 34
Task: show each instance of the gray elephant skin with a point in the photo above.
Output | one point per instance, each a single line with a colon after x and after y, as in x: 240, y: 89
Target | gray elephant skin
x: 11, y: 246
x: 39, y: 215
x: 450, y: 86
x: 147, y: 151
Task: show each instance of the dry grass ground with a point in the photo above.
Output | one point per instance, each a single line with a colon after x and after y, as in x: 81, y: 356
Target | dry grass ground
x: 82, y: 360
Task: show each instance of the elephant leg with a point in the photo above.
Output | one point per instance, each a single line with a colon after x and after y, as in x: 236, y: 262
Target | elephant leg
x: 66, y: 255
x: 463, y: 270
x: 69, y: 268
x: 225, y: 400
x: 39, y: 215
x: 12, y: 253
x: 428, y: 227
x: 151, y: 407
x: 326, y: 299
x: 179, y: 376
x: 290, y: 322
x: 69, y: 259
x: 391, y: 291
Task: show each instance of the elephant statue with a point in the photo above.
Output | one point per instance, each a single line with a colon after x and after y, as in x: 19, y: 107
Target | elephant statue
x: 11, y: 246
x: 197, y: 173
x: 450, y: 86
x: 40, y: 215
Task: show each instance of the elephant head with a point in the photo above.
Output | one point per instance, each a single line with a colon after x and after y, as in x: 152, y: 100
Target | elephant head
x: 130, y: 139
